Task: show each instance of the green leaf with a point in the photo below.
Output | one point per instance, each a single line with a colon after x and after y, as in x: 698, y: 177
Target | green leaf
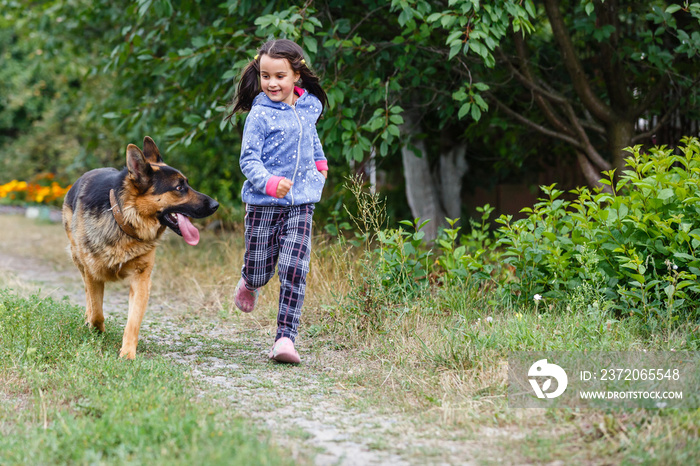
x: 459, y: 95
x: 666, y: 193
x: 434, y: 17
x: 476, y: 113
x: 684, y: 256
x: 357, y: 154
x: 311, y: 44
x: 480, y: 102
x: 454, y: 50
x: 174, y: 131
x: 396, y: 119
x: 463, y: 110
x: 230, y: 74
x: 192, y: 119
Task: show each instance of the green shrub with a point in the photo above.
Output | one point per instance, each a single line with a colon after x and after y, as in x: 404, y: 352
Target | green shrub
x: 635, y: 241
x: 471, y: 256
x: 403, y: 258
x: 631, y: 248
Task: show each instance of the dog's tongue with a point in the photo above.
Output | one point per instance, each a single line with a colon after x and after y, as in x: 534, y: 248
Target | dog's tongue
x: 189, y: 231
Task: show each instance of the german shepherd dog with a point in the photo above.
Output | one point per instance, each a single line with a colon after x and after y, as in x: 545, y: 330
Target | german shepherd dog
x: 114, y: 220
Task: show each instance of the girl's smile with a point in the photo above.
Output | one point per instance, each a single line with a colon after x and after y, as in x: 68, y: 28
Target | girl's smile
x: 277, y: 79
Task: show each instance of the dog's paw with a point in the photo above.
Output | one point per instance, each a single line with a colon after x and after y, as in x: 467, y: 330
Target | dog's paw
x: 100, y: 327
x: 127, y: 354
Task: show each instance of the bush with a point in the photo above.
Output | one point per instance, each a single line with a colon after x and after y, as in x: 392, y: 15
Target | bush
x: 631, y: 248
x: 636, y: 241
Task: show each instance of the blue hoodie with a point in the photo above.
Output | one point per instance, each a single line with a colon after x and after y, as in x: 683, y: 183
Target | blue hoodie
x: 280, y: 141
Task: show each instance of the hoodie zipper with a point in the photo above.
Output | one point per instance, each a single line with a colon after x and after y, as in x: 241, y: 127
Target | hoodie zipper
x: 296, y: 167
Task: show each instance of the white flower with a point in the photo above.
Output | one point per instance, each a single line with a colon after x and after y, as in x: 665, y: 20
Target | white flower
x: 489, y: 319
x: 537, y: 297
x: 675, y: 267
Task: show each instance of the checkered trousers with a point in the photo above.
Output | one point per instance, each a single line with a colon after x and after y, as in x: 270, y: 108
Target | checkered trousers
x: 279, y: 235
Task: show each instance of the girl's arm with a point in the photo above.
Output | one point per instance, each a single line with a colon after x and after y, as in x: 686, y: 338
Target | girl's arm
x: 319, y: 156
x: 254, y: 133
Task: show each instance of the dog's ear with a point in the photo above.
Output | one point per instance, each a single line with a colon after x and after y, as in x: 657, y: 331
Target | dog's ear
x: 150, y: 151
x: 140, y: 170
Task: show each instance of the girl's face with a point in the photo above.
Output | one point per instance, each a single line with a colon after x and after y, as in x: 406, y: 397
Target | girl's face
x: 277, y: 79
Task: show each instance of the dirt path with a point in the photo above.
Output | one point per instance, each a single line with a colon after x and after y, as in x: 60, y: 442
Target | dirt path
x: 306, y: 408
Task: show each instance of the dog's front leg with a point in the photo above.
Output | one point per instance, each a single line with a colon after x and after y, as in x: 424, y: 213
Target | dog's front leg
x: 138, y: 300
x: 94, y: 295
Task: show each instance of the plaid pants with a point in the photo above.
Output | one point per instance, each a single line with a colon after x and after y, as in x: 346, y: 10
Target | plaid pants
x: 279, y: 236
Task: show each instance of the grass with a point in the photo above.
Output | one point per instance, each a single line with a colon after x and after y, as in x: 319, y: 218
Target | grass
x: 441, y: 353
x: 438, y: 357
x: 444, y: 358
x: 68, y: 399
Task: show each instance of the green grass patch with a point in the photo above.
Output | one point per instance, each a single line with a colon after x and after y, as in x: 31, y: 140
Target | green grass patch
x: 66, y: 398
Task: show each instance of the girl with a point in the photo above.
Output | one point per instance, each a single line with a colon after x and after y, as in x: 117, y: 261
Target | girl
x: 285, y: 169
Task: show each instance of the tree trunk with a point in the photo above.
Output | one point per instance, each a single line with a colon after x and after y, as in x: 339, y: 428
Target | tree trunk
x: 421, y: 192
x: 453, y: 166
x: 433, y: 194
x: 620, y: 134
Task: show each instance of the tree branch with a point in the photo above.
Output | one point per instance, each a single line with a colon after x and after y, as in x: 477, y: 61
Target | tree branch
x: 591, y: 152
x: 573, y: 65
x: 574, y: 128
x: 527, y: 78
x: 593, y: 126
x: 526, y: 121
x: 589, y: 172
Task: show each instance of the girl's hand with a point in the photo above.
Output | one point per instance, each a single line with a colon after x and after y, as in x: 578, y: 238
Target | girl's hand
x: 324, y: 173
x: 284, y: 187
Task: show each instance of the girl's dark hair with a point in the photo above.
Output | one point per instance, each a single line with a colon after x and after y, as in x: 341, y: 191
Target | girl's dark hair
x: 249, y: 85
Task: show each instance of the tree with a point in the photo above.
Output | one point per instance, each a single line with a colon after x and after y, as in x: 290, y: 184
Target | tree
x: 407, y: 80
x: 597, y: 69
x: 172, y: 68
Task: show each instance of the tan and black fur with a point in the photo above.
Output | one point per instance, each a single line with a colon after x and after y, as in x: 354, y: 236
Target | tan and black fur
x: 150, y: 195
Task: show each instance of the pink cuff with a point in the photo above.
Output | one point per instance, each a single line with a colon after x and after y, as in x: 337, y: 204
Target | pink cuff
x: 322, y: 165
x: 272, y: 183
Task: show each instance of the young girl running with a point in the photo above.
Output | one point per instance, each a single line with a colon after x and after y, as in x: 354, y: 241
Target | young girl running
x: 285, y: 169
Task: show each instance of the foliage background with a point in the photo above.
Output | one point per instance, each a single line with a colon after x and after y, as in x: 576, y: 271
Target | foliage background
x: 82, y: 79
